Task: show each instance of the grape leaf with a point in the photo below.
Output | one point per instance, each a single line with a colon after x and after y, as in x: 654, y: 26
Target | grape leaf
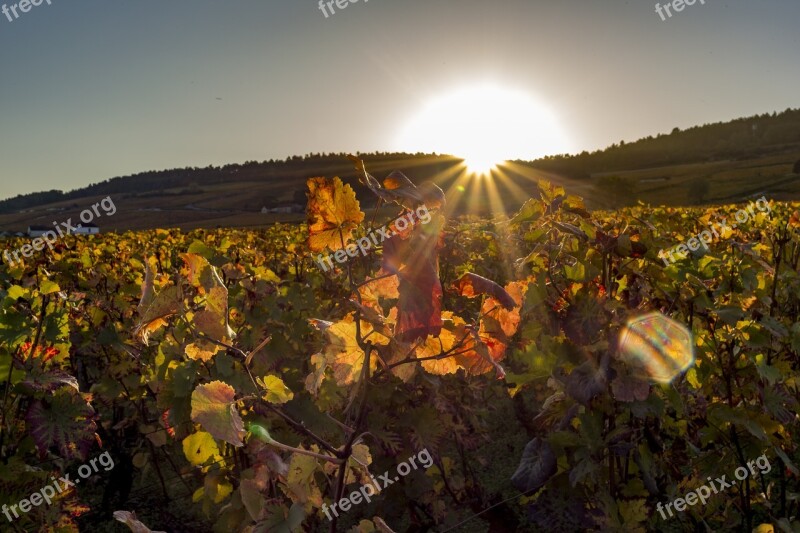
x: 300, y: 486
x: 282, y: 520
x: 333, y: 213
x: 153, y: 314
x: 342, y: 352
x: 38, y: 381
x: 200, y: 273
x: 538, y: 464
x: 251, y: 498
x: 199, y: 447
x: 214, y: 407
x: 64, y: 420
x: 202, y: 350
x: 471, y: 285
x: 415, y: 259
x: 434, y: 346
x: 277, y: 391
x: 129, y: 519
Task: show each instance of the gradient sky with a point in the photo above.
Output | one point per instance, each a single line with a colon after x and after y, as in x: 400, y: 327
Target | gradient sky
x: 94, y: 89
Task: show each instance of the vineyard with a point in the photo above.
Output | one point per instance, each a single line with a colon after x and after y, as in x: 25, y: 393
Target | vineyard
x: 238, y: 386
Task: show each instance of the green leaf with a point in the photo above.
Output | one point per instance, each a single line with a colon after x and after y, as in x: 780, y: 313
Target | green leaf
x: 586, y: 466
x: 576, y: 272
x: 768, y: 373
x: 563, y: 439
x: 531, y: 210
x: 691, y: 377
x: 252, y: 498
x: 282, y: 520
x: 6, y: 361
x: 200, y: 248
x: 64, y: 420
x: 538, y: 464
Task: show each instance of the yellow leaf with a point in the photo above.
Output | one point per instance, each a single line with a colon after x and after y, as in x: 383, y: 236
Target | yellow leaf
x: 201, y: 350
x: 300, y: 485
x: 342, y: 352
x: 224, y: 490
x: 434, y: 346
x: 199, y: 447
x: 277, y: 391
x: 333, y: 213
x: 691, y: 377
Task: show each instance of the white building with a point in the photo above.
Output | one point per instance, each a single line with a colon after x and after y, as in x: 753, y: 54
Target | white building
x: 38, y: 231
x: 85, y: 229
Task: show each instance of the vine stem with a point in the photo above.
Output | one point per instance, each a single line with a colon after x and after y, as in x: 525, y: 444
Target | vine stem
x: 348, y: 448
x: 304, y: 452
x: 42, y: 314
x: 298, y: 427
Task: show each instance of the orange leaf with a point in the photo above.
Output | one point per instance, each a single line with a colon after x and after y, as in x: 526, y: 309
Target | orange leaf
x: 342, y: 352
x: 434, y: 346
x: 333, y: 213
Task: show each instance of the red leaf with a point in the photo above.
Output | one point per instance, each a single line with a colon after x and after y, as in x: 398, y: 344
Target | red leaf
x: 471, y: 285
x: 415, y: 259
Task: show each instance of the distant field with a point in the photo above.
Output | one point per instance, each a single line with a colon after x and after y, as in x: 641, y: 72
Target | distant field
x: 238, y: 204
x: 729, y: 181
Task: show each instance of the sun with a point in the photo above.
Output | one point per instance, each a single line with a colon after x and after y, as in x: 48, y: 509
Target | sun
x: 485, y: 124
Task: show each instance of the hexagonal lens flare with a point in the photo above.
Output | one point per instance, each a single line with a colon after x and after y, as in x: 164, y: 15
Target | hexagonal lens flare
x: 656, y: 346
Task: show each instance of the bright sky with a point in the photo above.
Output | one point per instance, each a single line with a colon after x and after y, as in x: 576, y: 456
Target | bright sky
x: 94, y: 89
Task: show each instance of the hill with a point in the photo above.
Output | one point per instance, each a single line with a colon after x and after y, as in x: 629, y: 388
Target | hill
x: 712, y: 163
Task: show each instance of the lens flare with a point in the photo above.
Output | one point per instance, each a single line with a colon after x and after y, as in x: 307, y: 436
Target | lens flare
x: 657, y: 347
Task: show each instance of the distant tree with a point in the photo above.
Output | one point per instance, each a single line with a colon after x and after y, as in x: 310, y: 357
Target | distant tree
x: 698, y: 190
x: 797, y: 167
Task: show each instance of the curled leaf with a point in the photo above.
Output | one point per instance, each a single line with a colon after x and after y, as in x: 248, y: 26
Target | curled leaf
x: 471, y: 285
x: 129, y: 519
x: 538, y: 464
